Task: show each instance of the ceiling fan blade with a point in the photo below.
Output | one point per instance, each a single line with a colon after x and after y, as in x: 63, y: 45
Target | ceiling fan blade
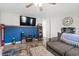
x: 52, y: 3
x: 29, y: 5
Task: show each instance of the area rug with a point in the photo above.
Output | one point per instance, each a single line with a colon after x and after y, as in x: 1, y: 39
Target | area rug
x: 20, y: 49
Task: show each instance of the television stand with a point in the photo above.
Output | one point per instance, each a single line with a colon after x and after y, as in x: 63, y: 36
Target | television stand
x: 29, y: 38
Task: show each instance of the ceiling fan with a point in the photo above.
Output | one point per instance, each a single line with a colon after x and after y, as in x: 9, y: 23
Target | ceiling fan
x: 39, y: 5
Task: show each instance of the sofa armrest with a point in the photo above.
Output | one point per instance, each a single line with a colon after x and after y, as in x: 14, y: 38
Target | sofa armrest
x: 53, y: 39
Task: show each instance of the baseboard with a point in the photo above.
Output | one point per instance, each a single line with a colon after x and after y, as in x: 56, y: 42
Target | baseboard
x: 11, y: 43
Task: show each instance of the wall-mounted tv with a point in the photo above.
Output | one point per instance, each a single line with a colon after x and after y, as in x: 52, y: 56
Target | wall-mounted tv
x: 27, y: 21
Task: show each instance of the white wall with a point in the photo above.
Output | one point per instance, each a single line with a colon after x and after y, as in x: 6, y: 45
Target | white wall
x: 46, y: 30
x: 9, y: 18
x: 13, y: 19
x: 38, y: 20
x: 46, y: 27
x: 53, y: 24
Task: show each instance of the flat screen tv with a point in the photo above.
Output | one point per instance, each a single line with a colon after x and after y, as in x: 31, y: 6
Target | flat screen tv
x: 27, y: 21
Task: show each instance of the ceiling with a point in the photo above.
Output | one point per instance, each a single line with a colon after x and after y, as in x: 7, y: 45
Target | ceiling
x: 48, y: 9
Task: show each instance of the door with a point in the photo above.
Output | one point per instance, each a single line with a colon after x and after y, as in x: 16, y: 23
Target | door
x: 0, y: 35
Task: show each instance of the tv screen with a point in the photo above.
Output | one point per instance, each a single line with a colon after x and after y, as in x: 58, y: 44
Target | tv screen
x: 27, y: 21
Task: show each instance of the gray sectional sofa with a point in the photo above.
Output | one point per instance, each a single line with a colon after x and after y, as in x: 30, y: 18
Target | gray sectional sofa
x: 60, y: 48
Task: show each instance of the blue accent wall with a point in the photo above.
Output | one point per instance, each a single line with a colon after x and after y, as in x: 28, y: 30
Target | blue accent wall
x: 15, y: 31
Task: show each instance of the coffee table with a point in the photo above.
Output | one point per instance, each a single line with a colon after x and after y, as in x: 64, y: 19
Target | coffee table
x: 40, y: 51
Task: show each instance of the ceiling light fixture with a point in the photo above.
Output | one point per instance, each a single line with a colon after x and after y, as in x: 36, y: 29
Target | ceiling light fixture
x: 38, y: 4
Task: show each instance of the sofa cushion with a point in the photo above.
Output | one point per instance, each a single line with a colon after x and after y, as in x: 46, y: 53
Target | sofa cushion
x: 54, y: 39
x: 73, y: 52
x: 72, y: 39
x: 59, y: 47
